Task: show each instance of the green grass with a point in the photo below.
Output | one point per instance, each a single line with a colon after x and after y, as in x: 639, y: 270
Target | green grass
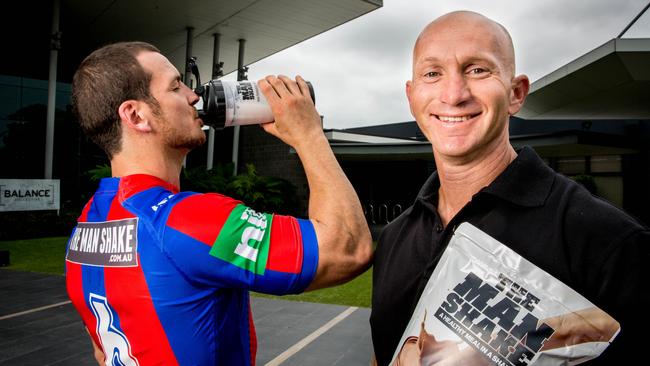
x: 354, y: 293
x: 45, y: 255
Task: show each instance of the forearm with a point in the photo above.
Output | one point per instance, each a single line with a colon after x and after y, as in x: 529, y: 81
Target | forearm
x: 345, y: 245
x: 97, y: 352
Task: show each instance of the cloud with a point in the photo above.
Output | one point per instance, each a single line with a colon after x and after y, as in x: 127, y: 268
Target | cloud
x: 359, y: 68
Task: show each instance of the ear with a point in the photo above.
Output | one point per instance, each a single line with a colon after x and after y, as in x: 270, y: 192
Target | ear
x: 131, y: 114
x: 518, y: 93
x: 409, y: 86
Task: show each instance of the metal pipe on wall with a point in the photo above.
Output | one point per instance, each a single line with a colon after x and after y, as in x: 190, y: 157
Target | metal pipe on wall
x: 188, y: 54
x: 188, y: 71
x: 55, y: 45
x: 216, y: 73
x: 241, y: 75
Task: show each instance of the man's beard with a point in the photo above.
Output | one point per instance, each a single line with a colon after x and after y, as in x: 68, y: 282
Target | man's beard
x: 177, y: 139
x: 184, y: 141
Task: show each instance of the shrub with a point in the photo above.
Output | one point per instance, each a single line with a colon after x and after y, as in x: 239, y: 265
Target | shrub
x: 262, y: 193
x: 37, y: 224
x: 588, y: 182
x: 199, y: 179
x: 99, y: 172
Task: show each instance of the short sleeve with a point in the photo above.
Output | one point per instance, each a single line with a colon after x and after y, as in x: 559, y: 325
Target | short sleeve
x: 218, y: 241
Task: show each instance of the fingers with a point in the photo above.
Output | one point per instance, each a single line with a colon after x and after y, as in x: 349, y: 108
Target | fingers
x: 270, y: 128
x: 267, y: 89
x: 296, y: 120
x: 304, y: 88
x: 278, y: 85
x: 290, y: 85
x: 283, y: 86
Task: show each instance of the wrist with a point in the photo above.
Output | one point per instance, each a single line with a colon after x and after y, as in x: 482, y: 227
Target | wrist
x: 313, y: 141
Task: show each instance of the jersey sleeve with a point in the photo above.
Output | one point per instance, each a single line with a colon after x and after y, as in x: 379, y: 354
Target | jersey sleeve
x: 218, y: 241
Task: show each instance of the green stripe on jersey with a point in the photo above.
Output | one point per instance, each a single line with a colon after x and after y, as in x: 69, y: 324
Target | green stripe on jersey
x: 244, y: 239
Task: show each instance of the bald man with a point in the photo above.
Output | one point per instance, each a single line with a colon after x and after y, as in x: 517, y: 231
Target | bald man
x: 463, y: 90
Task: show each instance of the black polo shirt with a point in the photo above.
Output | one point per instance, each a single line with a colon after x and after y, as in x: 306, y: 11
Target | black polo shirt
x: 593, y: 247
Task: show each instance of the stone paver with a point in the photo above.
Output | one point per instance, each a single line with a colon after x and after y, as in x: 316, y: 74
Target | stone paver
x: 55, y: 336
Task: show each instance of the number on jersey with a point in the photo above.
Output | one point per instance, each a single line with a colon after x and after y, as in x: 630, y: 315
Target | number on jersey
x: 116, y: 347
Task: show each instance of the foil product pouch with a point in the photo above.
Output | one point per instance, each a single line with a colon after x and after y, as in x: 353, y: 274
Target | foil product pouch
x: 486, y: 305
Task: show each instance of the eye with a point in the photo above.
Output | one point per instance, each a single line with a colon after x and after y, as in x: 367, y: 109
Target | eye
x: 176, y: 85
x: 432, y: 74
x: 477, y: 70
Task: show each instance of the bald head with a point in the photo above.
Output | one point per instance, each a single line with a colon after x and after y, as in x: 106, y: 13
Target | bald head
x: 463, y: 88
x: 476, y: 25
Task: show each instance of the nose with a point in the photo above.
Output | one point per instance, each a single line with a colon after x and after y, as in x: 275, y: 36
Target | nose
x: 192, y: 97
x: 455, y: 90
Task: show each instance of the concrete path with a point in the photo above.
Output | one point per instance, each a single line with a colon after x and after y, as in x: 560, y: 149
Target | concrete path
x: 38, y: 326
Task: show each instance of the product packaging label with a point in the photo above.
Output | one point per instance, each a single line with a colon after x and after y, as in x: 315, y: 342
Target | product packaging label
x: 486, y: 305
x: 245, y: 104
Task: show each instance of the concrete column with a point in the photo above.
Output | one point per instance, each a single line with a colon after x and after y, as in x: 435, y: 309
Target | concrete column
x: 241, y: 75
x: 55, y: 45
x: 188, y: 70
x: 188, y: 54
x: 216, y: 73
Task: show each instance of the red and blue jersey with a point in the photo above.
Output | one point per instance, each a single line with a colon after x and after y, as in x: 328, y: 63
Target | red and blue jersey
x: 161, y: 277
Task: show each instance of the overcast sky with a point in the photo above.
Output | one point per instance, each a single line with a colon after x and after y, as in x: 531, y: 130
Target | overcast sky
x: 359, y: 68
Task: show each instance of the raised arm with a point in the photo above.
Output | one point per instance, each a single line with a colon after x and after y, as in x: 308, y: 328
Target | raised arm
x: 344, y: 241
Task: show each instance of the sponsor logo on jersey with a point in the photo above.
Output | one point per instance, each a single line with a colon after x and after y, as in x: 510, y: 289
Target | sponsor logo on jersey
x: 244, y: 239
x: 105, y: 244
x: 155, y: 207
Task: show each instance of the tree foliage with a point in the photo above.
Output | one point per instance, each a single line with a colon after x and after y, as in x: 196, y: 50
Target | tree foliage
x: 99, y: 172
x: 588, y: 182
x: 263, y: 193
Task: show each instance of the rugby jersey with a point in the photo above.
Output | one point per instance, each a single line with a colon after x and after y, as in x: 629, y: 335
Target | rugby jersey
x: 161, y: 277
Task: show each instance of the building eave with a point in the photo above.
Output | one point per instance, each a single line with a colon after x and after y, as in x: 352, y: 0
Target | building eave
x: 612, y: 81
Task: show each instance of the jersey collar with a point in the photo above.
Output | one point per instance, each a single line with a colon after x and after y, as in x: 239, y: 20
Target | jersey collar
x: 132, y: 184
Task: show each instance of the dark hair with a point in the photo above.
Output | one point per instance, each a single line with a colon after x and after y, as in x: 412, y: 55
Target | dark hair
x: 106, y: 78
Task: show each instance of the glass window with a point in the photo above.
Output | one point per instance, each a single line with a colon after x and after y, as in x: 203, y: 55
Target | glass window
x: 571, y: 166
x: 611, y: 189
x: 606, y: 164
x: 25, y: 100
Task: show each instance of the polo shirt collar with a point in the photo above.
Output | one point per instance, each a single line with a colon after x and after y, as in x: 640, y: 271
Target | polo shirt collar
x: 429, y: 191
x: 527, y: 181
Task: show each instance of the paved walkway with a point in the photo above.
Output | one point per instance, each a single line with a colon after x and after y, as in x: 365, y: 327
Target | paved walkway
x: 38, y: 326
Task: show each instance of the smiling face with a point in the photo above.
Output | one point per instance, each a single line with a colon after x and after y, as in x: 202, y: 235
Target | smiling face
x: 173, y: 114
x: 463, y: 89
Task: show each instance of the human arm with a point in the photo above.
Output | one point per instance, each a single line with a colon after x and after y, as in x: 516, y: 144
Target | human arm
x: 582, y: 326
x: 621, y: 295
x: 97, y: 352
x: 344, y: 242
